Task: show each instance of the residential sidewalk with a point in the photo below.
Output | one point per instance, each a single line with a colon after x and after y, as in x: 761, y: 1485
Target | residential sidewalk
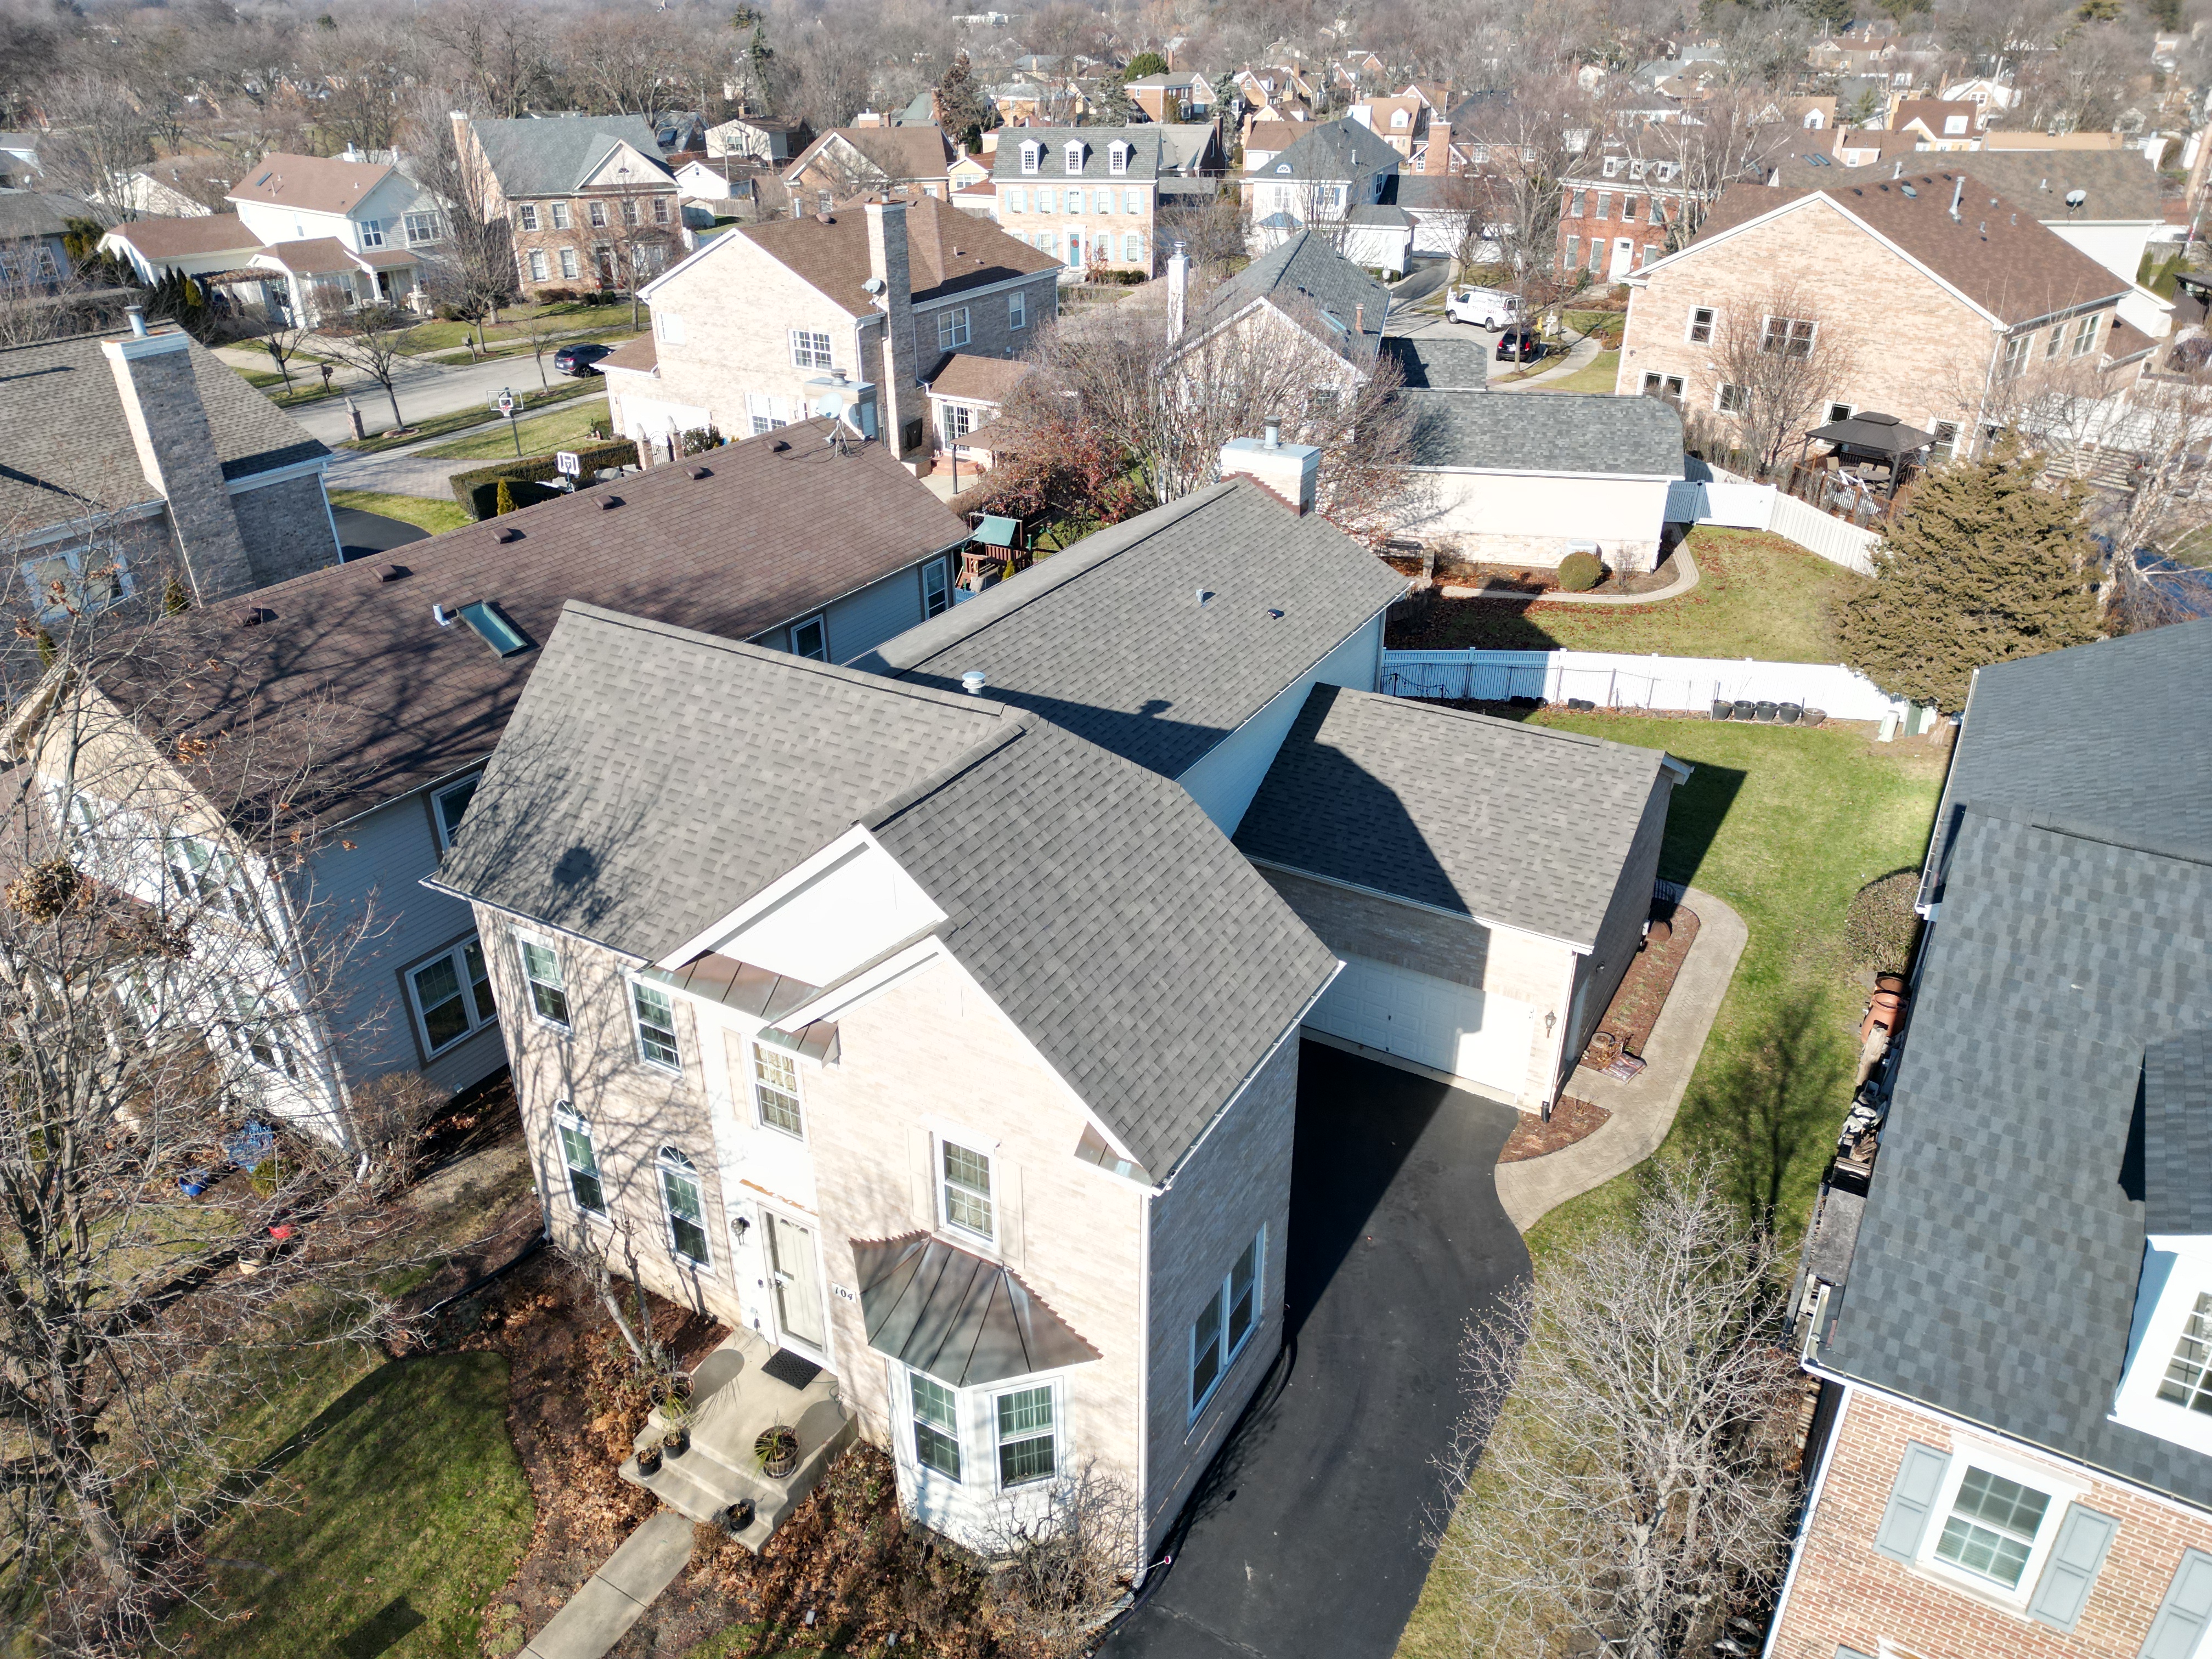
x: 615, y: 1597
x: 1643, y: 1108
x: 1580, y: 355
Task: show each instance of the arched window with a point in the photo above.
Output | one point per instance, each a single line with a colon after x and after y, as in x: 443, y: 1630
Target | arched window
x: 687, y: 1216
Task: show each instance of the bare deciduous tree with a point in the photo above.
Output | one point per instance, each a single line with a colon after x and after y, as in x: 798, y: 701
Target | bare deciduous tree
x: 1064, y: 1556
x: 1780, y: 364
x: 377, y: 344
x: 1525, y: 145
x: 102, y: 133
x: 1623, y: 1467
x: 281, y: 336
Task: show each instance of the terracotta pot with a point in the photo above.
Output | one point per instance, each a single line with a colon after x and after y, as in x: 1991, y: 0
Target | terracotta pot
x: 1660, y: 933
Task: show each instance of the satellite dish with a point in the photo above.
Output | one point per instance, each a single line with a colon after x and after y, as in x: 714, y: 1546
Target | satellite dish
x: 1909, y: 191
x: 2076, y: 197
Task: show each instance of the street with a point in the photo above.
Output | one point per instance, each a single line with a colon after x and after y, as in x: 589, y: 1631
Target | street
x: 424, y: 390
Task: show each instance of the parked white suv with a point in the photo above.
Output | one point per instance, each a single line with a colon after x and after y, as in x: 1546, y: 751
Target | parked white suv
x: 1486, y: 307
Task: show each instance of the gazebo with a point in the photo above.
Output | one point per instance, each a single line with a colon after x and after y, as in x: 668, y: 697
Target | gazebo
x: 1869, y: 437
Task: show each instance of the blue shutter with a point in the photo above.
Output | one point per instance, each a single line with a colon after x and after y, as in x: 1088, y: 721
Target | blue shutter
x: 1919, y: 1478
x: 2083, y: 1537
x: 2185, y: 1612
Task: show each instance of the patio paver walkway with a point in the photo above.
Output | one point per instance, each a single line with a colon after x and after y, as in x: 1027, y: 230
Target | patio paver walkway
x: 1685, y: 578
x: 614, y: 1598
x: 1643, y: 1108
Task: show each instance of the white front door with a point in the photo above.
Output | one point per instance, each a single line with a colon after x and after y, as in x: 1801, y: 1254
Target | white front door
x: 1431, y: 1022
x: 794, y: 1265
x: 1624, y: 256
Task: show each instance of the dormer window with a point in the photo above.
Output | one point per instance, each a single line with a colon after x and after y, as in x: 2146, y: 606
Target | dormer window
x: 2165, y: 1389
x: 1030, y: 155
x: 1117, y: 158
x: 1399, y: 119
x: 1613, y: 167
x: 1075, y: 156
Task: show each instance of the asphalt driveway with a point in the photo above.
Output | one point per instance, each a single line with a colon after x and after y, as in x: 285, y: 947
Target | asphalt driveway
x: 1306, y: 1542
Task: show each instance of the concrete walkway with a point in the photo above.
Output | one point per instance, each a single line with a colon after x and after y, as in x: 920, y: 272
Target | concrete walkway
x: 1580, y: 355
x: 1643, y: 1108
x: 612, y: 1599
x: 1685, y: 578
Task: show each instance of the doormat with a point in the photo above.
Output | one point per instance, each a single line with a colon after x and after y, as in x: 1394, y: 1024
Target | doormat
x: 794, y: 1370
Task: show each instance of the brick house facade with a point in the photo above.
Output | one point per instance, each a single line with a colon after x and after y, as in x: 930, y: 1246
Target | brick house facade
x: 587, y: 200
x: 1615, y: 218
x: 1091, y: 196
x: 1982, y: 305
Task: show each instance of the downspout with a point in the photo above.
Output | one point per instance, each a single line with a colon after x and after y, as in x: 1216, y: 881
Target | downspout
x: 1144, y: 1389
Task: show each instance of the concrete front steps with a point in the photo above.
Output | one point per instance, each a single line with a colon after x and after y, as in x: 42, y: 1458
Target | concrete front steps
x: 732, y: 1401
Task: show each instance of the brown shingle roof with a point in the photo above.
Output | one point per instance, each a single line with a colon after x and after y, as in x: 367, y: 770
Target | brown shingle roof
x: 783, y: 525
x: 947, y: 251
x: 902, y: 153
x: 1997, y: 254
x: 642, y: 355
x: 318, y: 183
x: 177, y: 238
x: 978, y: 379
x: 314, y: 256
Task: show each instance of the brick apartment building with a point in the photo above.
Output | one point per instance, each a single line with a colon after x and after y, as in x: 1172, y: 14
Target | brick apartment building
x: 2008, y: 1290
x: 587, y: 199
x: 849, y: 314
x: 1994, y: 301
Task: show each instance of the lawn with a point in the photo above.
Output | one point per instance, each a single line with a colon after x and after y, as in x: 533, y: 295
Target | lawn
x: 1785, y: 824
x: 399, y: 1511
x: 589, y: 386
x: 1758, y: 595
x: 1597, y: 375
x: 434, y: 516
x: 563, y: 429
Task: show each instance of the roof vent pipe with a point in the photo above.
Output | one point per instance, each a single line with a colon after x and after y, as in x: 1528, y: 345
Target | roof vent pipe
x: 137, y: 316
x: 1958, y: 190
x: 973, y: 681
x: 1274, y: 429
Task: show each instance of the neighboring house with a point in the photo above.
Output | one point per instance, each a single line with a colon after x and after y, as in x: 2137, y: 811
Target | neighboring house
x: 845, y: 313
x: 1091, y: 196
x: 136, y: 458
x: 1302, y: 290
x: 1182, y: 96
x: 1988, y: 96
x: 19, y: 161
x: 1398, y: 121
x: 2008, y: 1304
x: 1527, y: 481
x: 790, y: 541
x: 1441, y: 209
x: 33, y: 255
x: 848, y: 161
x: 975, y: 1019
x: 1322, y: 182
x: 980, y: 201
x: 210, y: 245
x: 2105, y: 203
x: 1991, y: 296
x: 175, y: 186
x: 966, y: 394
x: 1615, y: 217
x: 758, y: 138
x: 1865, y: 146
x: 1264, y: 140
x: 586, y: 199
x: 1940, y: 124
x: 336, y: 231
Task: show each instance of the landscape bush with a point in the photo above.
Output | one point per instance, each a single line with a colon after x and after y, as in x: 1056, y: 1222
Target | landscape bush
x: 1580, y: 572
x: 477, y: 489
x: 1880, y: 927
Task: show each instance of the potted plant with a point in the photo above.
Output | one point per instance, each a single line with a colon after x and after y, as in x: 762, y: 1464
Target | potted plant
x: 648, y: 1459
x: 777, y: 1449
x: 739, y: 1516
x: 675, y: 1426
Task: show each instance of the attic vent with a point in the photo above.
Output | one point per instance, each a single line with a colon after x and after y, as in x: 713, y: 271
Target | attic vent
x: 607, y: 503
x: 390, y: 573
x: 827, y: 218
x: 779, y: 447
x: 702, y: 472
x: 491, y: 625
x: 510, y: 534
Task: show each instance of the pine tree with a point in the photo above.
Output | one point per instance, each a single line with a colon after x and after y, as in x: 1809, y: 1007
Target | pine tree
x: 1983, y: 565
x: 960, y: 106
x: 176, y: 598
x: 505, y: 502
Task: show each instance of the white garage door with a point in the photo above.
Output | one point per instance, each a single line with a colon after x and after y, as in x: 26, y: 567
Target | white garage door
x: 1430, y: 1021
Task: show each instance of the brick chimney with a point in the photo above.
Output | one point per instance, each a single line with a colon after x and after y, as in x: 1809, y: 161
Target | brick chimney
x: 899, y: 395
x: 1286, y: 472
x: 161, y: 406
x: 1438, y: 157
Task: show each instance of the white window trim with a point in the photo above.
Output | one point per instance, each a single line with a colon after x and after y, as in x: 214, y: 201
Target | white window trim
x: 526, y: 215
x: 1766, y: 328
x: 1031, y: 155
x: 1017, y: 309
x: 662, y: 1168
x: 760, y: 1120
x: 530, y: 996
x: 457, y: 954
x: 633, y: 983
x: 992, y: 1394
x: 2062, y: 1488
x: 969, y: 1141
x: 437, y: 806
x: 1712, y: 325
x: 810, y: 335
x: 953, y: 328
x: 2136, y: 1404
x: 820, y: 618
x: 903, y: 1393
x: 1222, y: 1293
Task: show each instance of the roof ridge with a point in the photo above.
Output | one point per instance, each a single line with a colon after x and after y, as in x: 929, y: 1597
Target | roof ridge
x: 1582, y: 739
x: 2081, y: 830
x: 983, y: 749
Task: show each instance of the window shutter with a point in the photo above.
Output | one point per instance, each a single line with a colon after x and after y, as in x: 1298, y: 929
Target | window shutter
x: 2187, y: 1609
x: 917, y: 1158
x: 2083, y: 1537
x: 1919, y: 1478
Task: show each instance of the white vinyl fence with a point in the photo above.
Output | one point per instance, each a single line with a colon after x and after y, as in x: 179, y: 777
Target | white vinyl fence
x: 1611, y: 680
x: 1735, y: 503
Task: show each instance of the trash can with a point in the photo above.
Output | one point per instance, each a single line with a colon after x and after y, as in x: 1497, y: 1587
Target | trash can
x: 1722, y: 710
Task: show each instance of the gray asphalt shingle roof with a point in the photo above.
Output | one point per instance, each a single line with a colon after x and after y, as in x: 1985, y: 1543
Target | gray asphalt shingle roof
x: 1109, y: 640
x: 1338, y: 150
x: 1996, y: 1268
x: 2177, y: 1134
x: 1484, y: 818
x: 1431, y: 364
x: 2093, y: 738
x: 652, y: 779
x: 67, y: 443
x: 1303, y: 268
x: 554, y: 156
x: 1144, y: 161
x: 1593, y: 432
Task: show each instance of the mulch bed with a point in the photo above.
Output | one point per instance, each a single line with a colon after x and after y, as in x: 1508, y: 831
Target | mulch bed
x: 1572, y: 1120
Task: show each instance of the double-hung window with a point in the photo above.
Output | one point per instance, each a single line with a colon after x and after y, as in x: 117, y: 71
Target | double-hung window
x: 655, y: 1014
x: 630, y: 209
x: 660, y: 210
x: 775, y: 1090
x: 936, y: 589
x: 539, y: 271
x: 1627, y: 208
x: 1946, y: 440
x: 1991, y: 1531
x: 423, y: 227
x: 936, y: 1426
x: 2188, y: 1379
x: 372, y: 232
x: 1788, y: 337
x: 1030, y: 155
x: 549, y: 990
x: 1226, y: 1323
x: 561, y: 221
x: 952, y: 328
x: 2016, y: 355
x: 568, y: 262
x: 259, y: 1035
x: 1732, y: 399
x: 809, y: 350
x: 1017, y: 310
x: 2085, y: 335
x: 965, y: 1188
x: 679, y: 1192
x: 1578, y: 205
x: 1573, y: 254
x: 450, y: 805
x: 1012, y: 195
x: 810, y: 639
x: 525, y: 217
x: 1701, y: 325
x: 202, y: 872
x: 1605, y: 204
x: 598, y: 212
x: 1029, y: 1448
x: 452, y: 994
x: 582, y: 1163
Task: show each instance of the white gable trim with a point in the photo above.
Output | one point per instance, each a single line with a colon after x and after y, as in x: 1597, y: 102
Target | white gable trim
x: 840, y: 851
x: 624, y: 151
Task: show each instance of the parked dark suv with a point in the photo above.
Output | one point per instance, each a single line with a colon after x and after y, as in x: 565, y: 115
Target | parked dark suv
x: 1519, y: 345
x: 580, y: 359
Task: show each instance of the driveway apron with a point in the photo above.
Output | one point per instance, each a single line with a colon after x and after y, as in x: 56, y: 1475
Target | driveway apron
x: 1308, y: 1539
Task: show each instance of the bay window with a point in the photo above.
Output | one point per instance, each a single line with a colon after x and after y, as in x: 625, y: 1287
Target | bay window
x: 936, y: 1426
x: 1027, y: 1441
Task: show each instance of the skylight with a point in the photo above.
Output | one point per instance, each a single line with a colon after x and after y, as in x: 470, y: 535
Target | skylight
x: 490, y: 624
